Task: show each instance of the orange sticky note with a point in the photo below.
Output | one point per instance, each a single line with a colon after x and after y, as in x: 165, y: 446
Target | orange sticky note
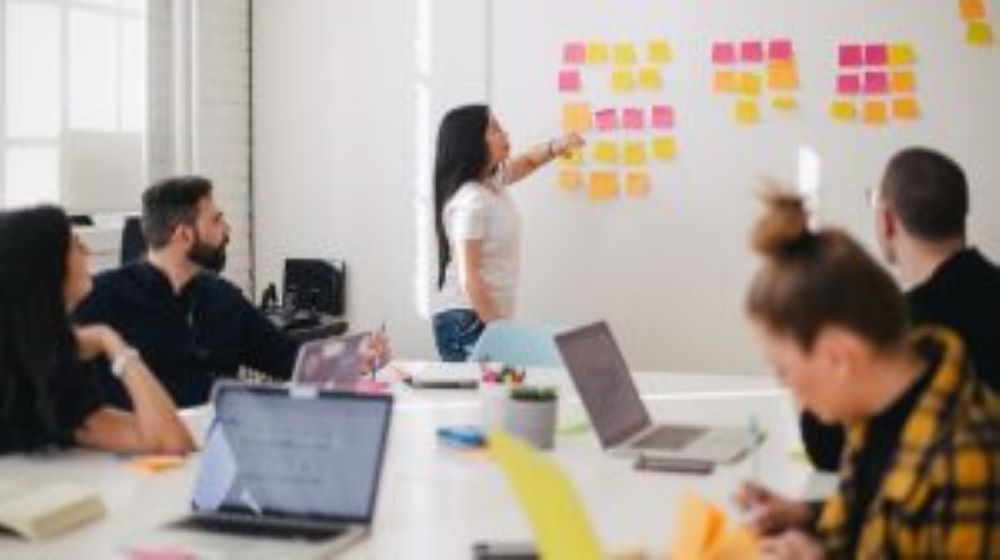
x: 979, y: 34
x: 659, y: 52
x: 874, y: 112
x: 784, y: 103
x: 597, y: 53
x: 622, y: 81
x: 901, y: 54
x: 649, y: 78
x: 972, y: 10
x: 699, y: 527
x: 782, y: 75
x: 843, y: 111
x: 738, y: 543
x: 603, y: 186
x: 570, y: 179
x: 577, y: 117
x: 153, y: 464
x: 905, y: 109
x: 726, y: 81
x: 664, y: 148
x: 637, y: 184
x: 749, y: 83
x: 625, y: 54
x: 902, y: 82
x: 746, y: 111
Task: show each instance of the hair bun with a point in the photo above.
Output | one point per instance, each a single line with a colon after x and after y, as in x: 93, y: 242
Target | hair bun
x: 784, y: 224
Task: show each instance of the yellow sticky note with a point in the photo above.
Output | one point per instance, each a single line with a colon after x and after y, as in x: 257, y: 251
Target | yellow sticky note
x: 548, y: 499
x: 746, y: 111
x: 726, y: 81
x: 782, y: 75
x: 572, y: 158
x: 972, y: 10
x: 650, y: 78
x: 659, y: 52
x: 605, y: 152
x: 570, y: 179
x: 784, y: 103
x: 597, y: 53
x: 664, y: 148
x: 622, y: 81
x: 637, y: 184
x: 635, y: 153
x: 603, y: 186
x: 902, y: 54
x: 979, y: 33
x: 843, y: 111
x: 874, y: 112
x: 699, y: 526
x: 749, y: 83
x: 625, y: 54
x: 902, y: 82
x: 577, y: 117
x: 905, y: 109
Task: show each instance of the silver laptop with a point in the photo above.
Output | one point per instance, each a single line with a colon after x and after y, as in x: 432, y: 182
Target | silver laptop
x: 623, y: 425
x: 331, y: 362
x: 285, y: 473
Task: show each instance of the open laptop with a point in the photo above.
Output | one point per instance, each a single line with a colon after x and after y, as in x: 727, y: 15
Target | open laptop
x: 284, y: 473
x: 623, y: 425
x: 330, y: 362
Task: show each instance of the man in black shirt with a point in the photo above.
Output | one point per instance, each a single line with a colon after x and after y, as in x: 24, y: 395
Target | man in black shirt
x: 921, y: 209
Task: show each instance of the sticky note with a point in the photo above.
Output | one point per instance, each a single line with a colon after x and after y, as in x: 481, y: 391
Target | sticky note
x: 723, y: 53
x: 752, y: 51
x: 876, y: 82
x: 843, y: 111
x: 603, y: 187
x: 780, y: 49
x: 851, y: 55
x: 572, y: 158
x: 569, y: 80
x: 633, y: 119
x: 662, y: 116
x: 153, y: 464
x: 635, y: 153
x: 876, y: 55
x: 874, y: 112
x: 726, y: 81
x: 979, y: 34
x: 746, y: 111
x: 659, y: 52
x: 574, y: 53
x: 606, y: 119
x: 750, y: 83
x: 902, y: 82
x: 782, y: 75
x: 905, y: 109
x: 972, y: 9
x: 699, y: 526
x: 570, y: 179
x: 605, y: 152
x: 902, y: 54
x: 597, y: 53
x: 548, y: 499
x: 621, y: 80
x: 664, y: 148
x: 737, y: 543
x: 625, y: 54
x: 576, y: 117
x: 637, y: 184
x: 784, y: 103
x: 848, y: 84
x: 649, y: 78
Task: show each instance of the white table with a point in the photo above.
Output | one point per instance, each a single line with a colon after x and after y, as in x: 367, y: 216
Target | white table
x: 434, y: 503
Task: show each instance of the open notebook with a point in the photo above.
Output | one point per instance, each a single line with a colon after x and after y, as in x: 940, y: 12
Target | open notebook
x: 37, y: 512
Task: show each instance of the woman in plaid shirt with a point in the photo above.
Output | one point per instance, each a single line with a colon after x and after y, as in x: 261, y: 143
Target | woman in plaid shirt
x: 920, y: 477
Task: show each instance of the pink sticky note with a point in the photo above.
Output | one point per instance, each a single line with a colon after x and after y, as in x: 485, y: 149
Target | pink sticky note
x: 723, y: 53
x: 850, y: 55
x: 663, y: 116
x: 876, y: 55
x: 876, y: 82
x: 569, y: 80
x: 606, y: 120
x: 780, y: 49
x: 574, y: 53
x: 632, y: 119
x: 752, y: 51
x: 848, y: 84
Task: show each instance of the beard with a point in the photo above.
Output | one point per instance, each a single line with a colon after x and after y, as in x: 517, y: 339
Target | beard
x: 207, y: 256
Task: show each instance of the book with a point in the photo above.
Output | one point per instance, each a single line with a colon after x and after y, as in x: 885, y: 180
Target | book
x: 38, y: 512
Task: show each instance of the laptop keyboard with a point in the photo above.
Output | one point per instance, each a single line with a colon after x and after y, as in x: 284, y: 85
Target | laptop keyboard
x: 254, y: 528
x: 668, y: 437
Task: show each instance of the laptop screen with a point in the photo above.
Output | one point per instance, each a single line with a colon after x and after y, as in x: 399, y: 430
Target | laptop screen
x: 329, y: 362
x: 270, y: 452
x: 604, y: 382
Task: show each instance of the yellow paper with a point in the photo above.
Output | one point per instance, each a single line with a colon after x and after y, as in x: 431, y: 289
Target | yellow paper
x: 746, y: 111
x: 625, y: 54
x: 603, y: 186
x: 548, y: 499
x: 649, y: 78
x: 972, y: 9
x: 635, y: 153
x: 597, y: 53
x: 843, y: 111
x: 605, y: 152
x: 637, y: 184
x: 570, y: 179
x: 573, y: 158
x: 699, y: 526
x: 902, y: 82
x: 726, y: 81
x: 664, y: 148
x: 784, y: 103
x: 782, y: 75
x: 874, y: 112
x: 577, y: 117
x: 979, y: 33
x: 749, y: 84
x: 621, y: 80
x: 905, y: 109
x: 902, y: 54
x: 659, y: 52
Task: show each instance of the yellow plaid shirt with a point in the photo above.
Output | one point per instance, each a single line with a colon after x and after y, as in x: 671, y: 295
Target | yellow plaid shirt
x: 940, y: 497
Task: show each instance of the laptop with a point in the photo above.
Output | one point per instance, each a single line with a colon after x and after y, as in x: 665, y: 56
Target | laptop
x: 330, y: 362
x: 284, y: 473
x: 623, y: 424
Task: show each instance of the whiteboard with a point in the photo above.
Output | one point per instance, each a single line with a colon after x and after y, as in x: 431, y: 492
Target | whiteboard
x: 670, y: 271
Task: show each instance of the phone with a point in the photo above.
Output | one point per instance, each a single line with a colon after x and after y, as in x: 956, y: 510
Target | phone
x: 465, y: 437
x: 673, y: 464
x: 485, y: 550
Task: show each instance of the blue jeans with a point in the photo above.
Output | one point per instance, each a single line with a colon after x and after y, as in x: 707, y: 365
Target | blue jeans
x: 456, y: 332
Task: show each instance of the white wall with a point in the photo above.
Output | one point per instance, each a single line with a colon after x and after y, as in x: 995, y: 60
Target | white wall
x: 338, y: 153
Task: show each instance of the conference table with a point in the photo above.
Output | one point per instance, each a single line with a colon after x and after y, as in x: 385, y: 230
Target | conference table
x: 435, y: 502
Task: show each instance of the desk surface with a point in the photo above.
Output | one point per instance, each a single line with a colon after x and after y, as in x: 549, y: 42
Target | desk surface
x: 434, y: 503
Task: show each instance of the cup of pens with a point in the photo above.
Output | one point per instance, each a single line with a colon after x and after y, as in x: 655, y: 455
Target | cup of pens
x: 497, y: 382
x: 530, y: 413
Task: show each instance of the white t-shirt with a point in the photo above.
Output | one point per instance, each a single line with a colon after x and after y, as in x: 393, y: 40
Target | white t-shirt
x: 484, y: 211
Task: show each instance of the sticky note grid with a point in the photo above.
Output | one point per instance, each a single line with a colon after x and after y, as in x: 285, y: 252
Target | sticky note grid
x: 751, y: 71
x: 875, y: 83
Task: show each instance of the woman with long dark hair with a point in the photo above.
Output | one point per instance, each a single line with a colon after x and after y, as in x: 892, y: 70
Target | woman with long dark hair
x: 48, y: 394
x: 477, y: 225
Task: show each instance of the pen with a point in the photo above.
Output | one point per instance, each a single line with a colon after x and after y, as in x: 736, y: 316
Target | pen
x: 377, y: 362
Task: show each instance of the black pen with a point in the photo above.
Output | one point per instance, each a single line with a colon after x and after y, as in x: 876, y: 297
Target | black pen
x: 673, y: 464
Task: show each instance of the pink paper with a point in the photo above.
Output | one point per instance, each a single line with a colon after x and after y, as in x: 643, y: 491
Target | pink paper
x: 723, y: 53
x: 663, y: 116
x: 780, y: 49
x: 850, y: 55
x: 632, y: 119
x: 876, y: 55
x: 848, y: 84
x: 876, y: 82
x: 606, y: 120
x: 569, y: 80
x: 574, y: 53
x: 752, y: 51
